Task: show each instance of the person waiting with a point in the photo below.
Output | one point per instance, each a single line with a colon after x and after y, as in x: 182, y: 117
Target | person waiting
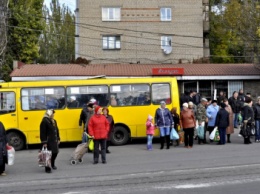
x: 73, y: 103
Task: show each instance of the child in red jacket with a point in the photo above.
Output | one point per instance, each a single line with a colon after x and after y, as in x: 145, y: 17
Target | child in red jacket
x: 149, y: 132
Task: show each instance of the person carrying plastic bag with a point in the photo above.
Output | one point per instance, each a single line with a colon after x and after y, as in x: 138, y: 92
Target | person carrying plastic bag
x: 222, y: 122
x: 3, y: 150
x: 201, y: 118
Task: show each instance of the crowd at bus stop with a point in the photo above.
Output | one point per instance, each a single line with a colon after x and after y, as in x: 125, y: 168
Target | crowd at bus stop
x: 239, y: 111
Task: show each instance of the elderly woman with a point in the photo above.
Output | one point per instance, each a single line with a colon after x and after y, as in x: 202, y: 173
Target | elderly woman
x: 98, y: 128
x: 3, y: 151
x: 50, y: 138
x: 212, y: 111
x: 187, y: 123
x: 230, y: 128
x: 163, y: 120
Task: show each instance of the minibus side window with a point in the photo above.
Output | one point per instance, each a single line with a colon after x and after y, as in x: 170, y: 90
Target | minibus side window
x: 79, y: 96
x: 161, y: 92
x: 130, y: 95
x: 43, y: 98
x: 7, y: 102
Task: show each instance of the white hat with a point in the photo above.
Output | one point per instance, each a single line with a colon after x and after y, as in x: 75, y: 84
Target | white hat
x: 190, y: 103
x: 150, y: 117
x: 50, y: 112
x: 185, y: 105
x: 92, y: 100
x: 73, y: 97
x: 162, y: 102
x: 204, y: 100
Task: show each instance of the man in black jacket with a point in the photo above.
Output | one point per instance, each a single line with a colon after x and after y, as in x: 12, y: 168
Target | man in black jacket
x: 236, y: 106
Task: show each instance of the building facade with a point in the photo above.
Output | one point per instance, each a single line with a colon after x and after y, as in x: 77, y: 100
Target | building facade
x: 146, y: 31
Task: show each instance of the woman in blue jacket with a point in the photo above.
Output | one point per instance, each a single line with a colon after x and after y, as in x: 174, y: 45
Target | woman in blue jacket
x: 163, y: 120
x: 212, y: 111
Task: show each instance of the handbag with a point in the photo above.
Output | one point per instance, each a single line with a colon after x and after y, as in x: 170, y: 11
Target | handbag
x: 252, y: 129
x: 44, y: 157
x: 174, y: 135
x: 10, y: 155
x: 212, y: 135
x: 91, y: 144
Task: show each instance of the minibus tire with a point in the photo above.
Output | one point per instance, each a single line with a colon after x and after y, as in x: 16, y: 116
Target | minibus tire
x: 120, y: 136
x: 15, y: 140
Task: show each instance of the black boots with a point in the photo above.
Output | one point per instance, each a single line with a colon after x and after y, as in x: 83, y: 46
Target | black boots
x: 247, y: 140
x: 162, y: 142
x: 168, y: 141
x: 53, y: 157
x: 228, y: 138
x: 167, y: 137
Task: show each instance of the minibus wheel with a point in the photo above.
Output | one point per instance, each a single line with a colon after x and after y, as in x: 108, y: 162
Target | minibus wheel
x: 16, y: 140
x: 120, y: 136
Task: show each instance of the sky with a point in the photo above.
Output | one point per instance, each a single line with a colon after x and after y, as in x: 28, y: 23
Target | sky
x: 70, y: 3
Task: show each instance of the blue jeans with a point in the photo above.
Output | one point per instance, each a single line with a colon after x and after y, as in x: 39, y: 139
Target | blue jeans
x: 149, y: 141
x: 235, y: 116
x: 257, y: 129
x: 222, y: 134
x: 164, y: 131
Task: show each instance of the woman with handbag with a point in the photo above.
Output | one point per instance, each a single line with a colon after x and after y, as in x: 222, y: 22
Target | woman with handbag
x: 98, y: 128
x: 50, y: 138
x: 248, y: 119
x: 3, y: 150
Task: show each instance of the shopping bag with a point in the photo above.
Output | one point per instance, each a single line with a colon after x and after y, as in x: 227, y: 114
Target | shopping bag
x: 174, y: 135
x: 252, y: 129
x: 10, y: 155
x: 217, y: 137
x: 212, y: 135
x: 239, y: 118
x: 200, y: 131
x: 91, y: 144
x: 44, y: 157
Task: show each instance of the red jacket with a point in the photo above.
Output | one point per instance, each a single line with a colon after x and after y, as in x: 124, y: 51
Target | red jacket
x: 98, y: 126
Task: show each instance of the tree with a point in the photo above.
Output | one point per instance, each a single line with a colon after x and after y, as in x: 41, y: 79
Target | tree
x: 57, y: 40
x: 23, y: 31
x: 234, y: 31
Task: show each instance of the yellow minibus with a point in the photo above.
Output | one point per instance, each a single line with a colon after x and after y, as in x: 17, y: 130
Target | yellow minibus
x: 130, y: 101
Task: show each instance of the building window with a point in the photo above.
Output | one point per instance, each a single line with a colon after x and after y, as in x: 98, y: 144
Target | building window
x: 166, y: 41
x: 166, y: 14
x: 111, y: 14
x: 111, y: 42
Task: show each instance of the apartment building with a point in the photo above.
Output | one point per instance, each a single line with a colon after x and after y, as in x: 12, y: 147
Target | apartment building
x: 141, y: 31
